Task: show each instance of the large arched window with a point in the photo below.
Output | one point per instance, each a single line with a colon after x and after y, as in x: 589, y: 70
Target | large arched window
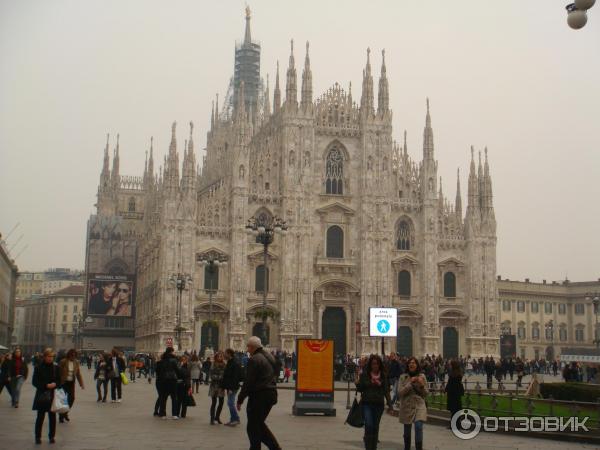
x: 260, y: 279
x: 404, y: 237
x: 131, y: 205
x: 404, y: 283
x: 449, y: 285
x: 335, y: 242
x: 211, y: 279
x: 334, y: 172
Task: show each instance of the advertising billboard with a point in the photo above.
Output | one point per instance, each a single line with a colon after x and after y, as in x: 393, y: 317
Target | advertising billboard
x: 314, y: 378
x: 110, y: 295
x: 383, y: 322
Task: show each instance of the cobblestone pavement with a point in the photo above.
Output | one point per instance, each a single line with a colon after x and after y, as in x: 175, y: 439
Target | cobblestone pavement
x: 130, y: 425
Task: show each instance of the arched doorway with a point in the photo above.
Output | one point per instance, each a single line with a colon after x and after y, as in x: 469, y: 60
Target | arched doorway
x: 404, y: 341
x: 549, y: 353
x: 204, y: 338
x: 257, y: 331
x: 450, y: 342
x: 334, y: 327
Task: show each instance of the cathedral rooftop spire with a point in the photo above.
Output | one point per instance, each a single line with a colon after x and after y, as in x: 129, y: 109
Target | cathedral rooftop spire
x: 247, y: 35
x: 105, y: 167
x: 267, y: 107
x: 366, y: 99
x: 115, y: 168
x: 291, y: 90
x: 307, y: 91
x: 428, y: 137
x: 277, y: 93
x: 383, y: 100
x: 458, y: 202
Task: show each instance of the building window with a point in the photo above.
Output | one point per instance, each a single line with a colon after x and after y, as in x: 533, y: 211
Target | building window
x: 505, y: 305
x: 548, y: 331
x: 211, y: 279
x: 131, y: 205
x: 535, y: 307
x: 562, y: 333
x: 535, y: 331
x: 562, y: 308
x: 64, y: 328
x: 579, y: 334
x: 335, y: 242
x: 74, y: 308
x: 334, y: 172
x: 65, y: 308
x: 449, y: 285
x: 536, y: 353
x: 579, y: 308
x: 260, y: 279
x: 404, y: 283
x: 404, y: 237
x: 548, y: 308
x: 520, y: 306
x: 521, y: 334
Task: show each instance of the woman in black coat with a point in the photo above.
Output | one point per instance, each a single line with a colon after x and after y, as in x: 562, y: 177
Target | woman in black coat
x: 454, y: 389
x: 46, y: 377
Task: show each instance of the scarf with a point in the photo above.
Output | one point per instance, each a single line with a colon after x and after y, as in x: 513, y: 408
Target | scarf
x: 376, y: 378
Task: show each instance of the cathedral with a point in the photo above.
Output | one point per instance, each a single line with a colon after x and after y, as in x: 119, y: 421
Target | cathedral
x: 367, y: 226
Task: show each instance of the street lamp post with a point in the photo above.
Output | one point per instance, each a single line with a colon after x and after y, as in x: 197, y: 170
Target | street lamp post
x: 211, y: 261
x: 180, y: 281
x: 78, y: 330
x: 594, y: 297
x: 577, y: 13
x: 549, y: 326
x: 264, y: 228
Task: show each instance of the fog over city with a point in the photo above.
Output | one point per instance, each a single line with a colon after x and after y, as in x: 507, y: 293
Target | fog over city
x: 507, y: 75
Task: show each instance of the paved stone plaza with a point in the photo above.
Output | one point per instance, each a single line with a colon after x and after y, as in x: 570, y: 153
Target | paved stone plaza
x: 130, y: 425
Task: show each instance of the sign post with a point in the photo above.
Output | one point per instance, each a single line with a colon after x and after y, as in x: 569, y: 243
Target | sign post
x: 383, y: 322
x: 314, y: 377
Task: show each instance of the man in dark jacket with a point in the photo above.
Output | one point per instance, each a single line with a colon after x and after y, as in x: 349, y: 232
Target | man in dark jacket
x: 231, y: 384
x: 159, y: 386
x: 259, y: 386
x: 169, y: 374
x: 115, y: 366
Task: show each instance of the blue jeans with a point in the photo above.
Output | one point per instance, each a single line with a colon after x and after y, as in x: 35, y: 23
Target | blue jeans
x: 17, y: 383
x: 231, y: 405
x: 372, y: 416
x: 418, y: 431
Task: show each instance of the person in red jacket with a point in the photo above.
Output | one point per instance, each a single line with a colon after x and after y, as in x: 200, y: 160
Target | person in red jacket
x: 17, y: 374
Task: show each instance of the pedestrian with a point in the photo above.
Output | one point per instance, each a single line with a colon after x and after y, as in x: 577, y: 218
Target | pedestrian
x: 132, y: 369
x: 412, y: 390
x: 454, y: 389
x: 169, y: 374
x: 374, y: 387
x: 184, y: 387
x: 260, y: 388
x: 215, y: 391
x: 115, y: 366
x: 231, y: 383
x: 45, y: 379
x: 4, y: 377
x: 195, y: 371
x: 159, y: 386
x: 206, y: 369
x: 69, y: 370
x: 101, y: 377
x: 17, y: 374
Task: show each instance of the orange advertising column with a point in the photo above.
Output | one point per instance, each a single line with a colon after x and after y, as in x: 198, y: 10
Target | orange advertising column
x: 314, y: 379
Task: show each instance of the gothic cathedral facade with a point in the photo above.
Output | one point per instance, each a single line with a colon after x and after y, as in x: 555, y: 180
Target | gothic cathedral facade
x: 367, y: 226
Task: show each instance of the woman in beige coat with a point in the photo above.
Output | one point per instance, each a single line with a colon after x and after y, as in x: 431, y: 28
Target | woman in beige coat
x: 412, y: 390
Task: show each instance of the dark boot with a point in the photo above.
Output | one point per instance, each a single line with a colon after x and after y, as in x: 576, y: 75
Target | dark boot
x: 419, y: 445
x: 407, y: 443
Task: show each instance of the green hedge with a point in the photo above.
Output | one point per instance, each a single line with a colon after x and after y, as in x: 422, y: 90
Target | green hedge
x: 577, y: 392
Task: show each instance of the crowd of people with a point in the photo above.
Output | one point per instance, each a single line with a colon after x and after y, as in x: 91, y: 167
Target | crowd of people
x: 400, y: 383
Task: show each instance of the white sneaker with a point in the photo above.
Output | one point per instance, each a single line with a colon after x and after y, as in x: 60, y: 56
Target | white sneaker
x: 175, y: 417
x: 119, y: 401
x: 164, y: 417
x: 113, y: 401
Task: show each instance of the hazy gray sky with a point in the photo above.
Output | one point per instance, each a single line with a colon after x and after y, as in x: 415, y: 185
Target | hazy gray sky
x: 507, y: 74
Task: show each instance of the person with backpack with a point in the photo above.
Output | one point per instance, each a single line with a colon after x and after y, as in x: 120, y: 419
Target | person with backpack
x: 169, y: 374
x: 231, y: 383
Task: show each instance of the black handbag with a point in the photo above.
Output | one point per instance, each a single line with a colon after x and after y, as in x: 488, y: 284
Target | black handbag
x: 355, y: 415
x: 45, y: 399
x: 190, y: 401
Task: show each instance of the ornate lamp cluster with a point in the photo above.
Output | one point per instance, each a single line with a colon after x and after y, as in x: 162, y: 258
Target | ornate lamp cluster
x: 577, y: 13
x: 264, y: 228
x: 211, y: 260
x: 180, y: 281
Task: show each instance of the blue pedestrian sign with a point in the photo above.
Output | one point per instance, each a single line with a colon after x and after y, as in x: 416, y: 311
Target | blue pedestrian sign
x: 383, y: 322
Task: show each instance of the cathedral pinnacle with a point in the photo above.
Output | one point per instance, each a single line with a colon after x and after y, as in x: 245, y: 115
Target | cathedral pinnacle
x: 428, y: 137
x: 247, y: 36
x: 366, y: 99
x: 458, y: 202
x: 383, y: 101
x: 291, y: 90
x: 267, y: 107
x: 306, y: 99
x: 276, y: 93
